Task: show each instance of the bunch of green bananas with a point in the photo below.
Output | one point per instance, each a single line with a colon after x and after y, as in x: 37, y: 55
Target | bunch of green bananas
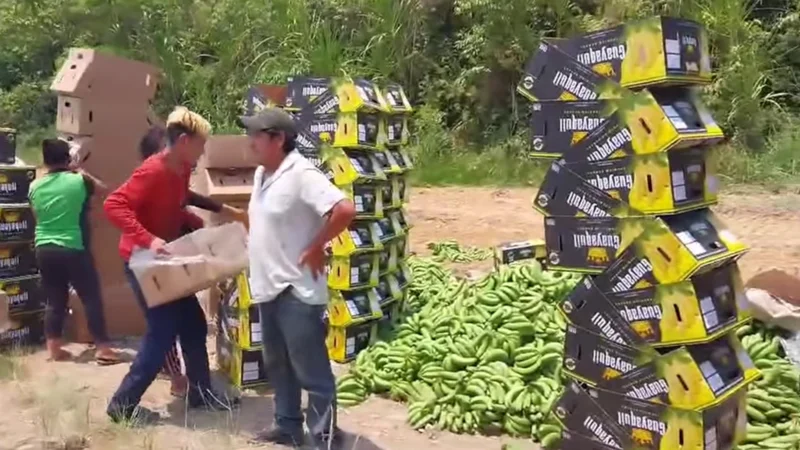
x: 451, y: 251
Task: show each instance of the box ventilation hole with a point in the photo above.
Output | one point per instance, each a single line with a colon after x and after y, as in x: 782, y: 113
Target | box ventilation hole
x: 644, y: 125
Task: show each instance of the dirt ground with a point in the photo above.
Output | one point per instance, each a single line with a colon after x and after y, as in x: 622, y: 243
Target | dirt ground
x: 60, y: 405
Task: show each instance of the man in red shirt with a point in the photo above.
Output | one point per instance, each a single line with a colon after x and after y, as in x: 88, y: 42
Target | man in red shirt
x: 149, y: 209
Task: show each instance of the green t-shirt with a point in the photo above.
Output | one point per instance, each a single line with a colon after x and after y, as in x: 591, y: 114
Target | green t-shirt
x: 58, y: 200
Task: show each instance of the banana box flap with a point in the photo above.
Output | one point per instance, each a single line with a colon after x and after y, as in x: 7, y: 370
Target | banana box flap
x: 658, y: 183
x: 511, y: 252
x: 387, y: 260
x: 354, y: 271
x: 305, y: 93
x: 671, y: 249
x: 387, y: 162
x: 580, y: 414
x: 588, y: 308
x: 396, y: 99
x: 564, y: 193
x: 647, y: 52
x: 556, y: 126
x: 345, y: 343
x: 588, y: 244
x: 350, y: 165
x: 654, y: 425
x: 697, y: 310
x: 691, y: 377
x: 244, y: 368
x: 241, y: 326
x: 361, y: 236
x: 552, y: 75
x: 645, y: 123
x: 388, y: 289
x: 402, y: 158
x: 591, y: 358
x: 347, y: 308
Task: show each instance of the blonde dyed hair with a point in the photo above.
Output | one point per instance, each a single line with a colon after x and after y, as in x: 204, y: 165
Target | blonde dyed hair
x: 189, y: 121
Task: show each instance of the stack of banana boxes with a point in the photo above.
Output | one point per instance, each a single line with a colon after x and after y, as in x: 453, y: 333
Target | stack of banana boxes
x: 356, y: 130
x: 650, y: 351
x: 19, y: 277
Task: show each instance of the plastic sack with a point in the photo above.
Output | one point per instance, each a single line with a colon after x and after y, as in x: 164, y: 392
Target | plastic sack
x: 193, y: 263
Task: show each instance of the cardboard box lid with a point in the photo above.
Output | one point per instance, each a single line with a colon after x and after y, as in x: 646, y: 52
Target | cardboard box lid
x: 87, y: 72
x: 262, y: 96
x: 228, y: 151
x: 229, y: 185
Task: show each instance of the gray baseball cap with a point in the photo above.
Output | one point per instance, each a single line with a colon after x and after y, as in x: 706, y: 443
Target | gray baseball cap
x: 269, y: 119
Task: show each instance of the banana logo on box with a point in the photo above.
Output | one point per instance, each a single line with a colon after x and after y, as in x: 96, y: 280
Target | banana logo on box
x: 605, y: 69
x: 597, y: 255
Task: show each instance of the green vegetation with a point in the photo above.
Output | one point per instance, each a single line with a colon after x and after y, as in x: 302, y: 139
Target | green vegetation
x: 459, y: 58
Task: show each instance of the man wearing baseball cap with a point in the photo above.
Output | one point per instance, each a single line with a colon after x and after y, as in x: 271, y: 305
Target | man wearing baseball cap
x: 294, y: 212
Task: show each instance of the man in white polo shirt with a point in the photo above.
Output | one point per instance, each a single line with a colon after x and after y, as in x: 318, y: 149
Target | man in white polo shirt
x: 294, y: 212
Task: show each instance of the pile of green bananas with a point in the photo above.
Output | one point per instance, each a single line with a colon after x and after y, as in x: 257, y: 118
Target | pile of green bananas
x: 472, y: 357
x: 773, y: 402
x: 451, y: 251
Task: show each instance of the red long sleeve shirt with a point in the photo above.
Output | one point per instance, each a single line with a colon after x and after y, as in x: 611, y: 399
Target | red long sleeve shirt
x: 150, y: 204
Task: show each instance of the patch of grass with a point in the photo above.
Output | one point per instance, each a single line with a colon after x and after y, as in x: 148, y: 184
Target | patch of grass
x: 61, y: 411
x: 12, y: 367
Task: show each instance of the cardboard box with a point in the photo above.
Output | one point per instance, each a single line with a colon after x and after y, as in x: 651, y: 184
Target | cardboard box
x: 240, y: 297
x: 388, y: 193
x: 694, y: 311
x: 645, y: 123
x: 672, y: 249
x: 350, y: 95
x: 226, y: 185
x: 91, y: 73
x: 261, y: 96
x: 402, y: 190
x: 240, y: 326
x: 229, y: 152
x: 564, y: 193
x: 243, y: 368
x: 402, y: 158
x: 387, y: 259
x: 552, y: 75
x: 342, y: 130
x: 403, y: 276
x: 581, y: 415
x: 588, y: 244
x: 347, y: 308
x: 648, y: 52
x: 81, y: 147
x: 367, y: 198
x: 17, y: 259
x: 345, y: 343
x: 511, y: 252
x: 556, y: 126
x: 195, y: 262
x: 399, y: 222
x: 350, y: 166
x: 93, y: 115
x: 393, y: 130
x: 692, y: 377
x: 389, y: 317
x: 8, y: 146
x: 573, y: 441
x: 354, y: 271
x: 396, y: 99
x: 400, y: 249
x: 361, y: 236
x: 24, y: 294
x: 388, y: 290
x: 17, y: 222
x: 25, y: 331
x: 387, y: 162
x: 15, y: 182
x: 387, y: 229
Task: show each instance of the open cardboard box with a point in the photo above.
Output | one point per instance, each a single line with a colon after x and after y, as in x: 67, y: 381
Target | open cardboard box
x: 194, y: 262
x: 88, y: 72
x: 228, y: 152
x: 226, y: 185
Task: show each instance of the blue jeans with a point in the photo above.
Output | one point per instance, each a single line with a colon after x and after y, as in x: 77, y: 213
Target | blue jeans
x: 295, y: 358
x: 182, y: 318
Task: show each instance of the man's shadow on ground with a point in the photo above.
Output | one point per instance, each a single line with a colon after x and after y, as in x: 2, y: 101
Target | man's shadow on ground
x: 254, y: 414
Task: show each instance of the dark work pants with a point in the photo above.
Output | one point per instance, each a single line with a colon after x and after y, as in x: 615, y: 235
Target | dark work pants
x: 184, y: 319
x: 61, y: 267
x: 295, y: 358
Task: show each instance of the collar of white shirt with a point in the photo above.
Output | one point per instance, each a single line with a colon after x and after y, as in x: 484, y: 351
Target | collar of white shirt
x: 288, y: 162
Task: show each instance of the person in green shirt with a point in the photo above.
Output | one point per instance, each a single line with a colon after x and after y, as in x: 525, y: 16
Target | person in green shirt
x: 59, y: 200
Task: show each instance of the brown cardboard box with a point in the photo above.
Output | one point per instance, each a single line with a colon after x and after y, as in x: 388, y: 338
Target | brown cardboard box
x: 226, y: 185
x: 228, y: 152
x: 93, y: 115
x: 88, y: 73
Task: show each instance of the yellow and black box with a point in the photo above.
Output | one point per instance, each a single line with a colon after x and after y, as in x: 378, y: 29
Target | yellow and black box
x: 345, y: 343
x: 241, y: 325
x: 564, y: 193
x: 367, y: 198
x: 400, y: 249
x: 511, y: 252
x: 17, y: 222
x: 552, y: 75
x: 8, y: 145
x: 340, y: 95
x: 399, y: 222
x: 387, y: 163
x: 388, y: 290
x: 27, y: 330
x: 648, y: 122
x: 389, y: 194
x: 236, y: 294
x: 25, y: 294
x: 15, y: 182
x: 350, y: 166
x: 343, y: 130
x: 655, y: 51
x: 402, y: 157
x: 403, y: 276
x: 691, y: 377
x: 389, y: 318
x: 243, y: 368
x: 361, y: 236
x: 658, y: 183
x: 354, y: 271
x: 396, y: 99
x: 556, y: 126
x: 388, y: 229
x: 17, y: 259
x: 698, y: 310
x: 387, y: 260
x: 348, y: 308
x: 581, y: 415
x: 393, y: 130
x: 671, y: 249
x: 587, y: 244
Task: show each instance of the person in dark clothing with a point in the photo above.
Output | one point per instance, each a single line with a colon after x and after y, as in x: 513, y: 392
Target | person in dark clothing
x: 150, y: 210
x: 59, y: 201
x: 153, y: 142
